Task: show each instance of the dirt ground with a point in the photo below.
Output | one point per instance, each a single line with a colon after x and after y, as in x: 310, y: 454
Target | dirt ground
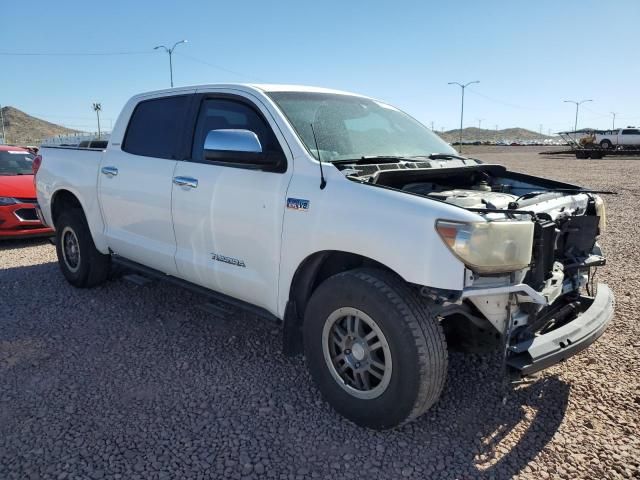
x: 135, y: 381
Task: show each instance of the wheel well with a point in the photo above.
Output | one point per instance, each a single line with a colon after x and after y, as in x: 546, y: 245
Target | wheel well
x: 63, y: 200
x: 310, y: 274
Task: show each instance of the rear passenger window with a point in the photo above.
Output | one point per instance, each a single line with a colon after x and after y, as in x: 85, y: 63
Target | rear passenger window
x: 155, y: 128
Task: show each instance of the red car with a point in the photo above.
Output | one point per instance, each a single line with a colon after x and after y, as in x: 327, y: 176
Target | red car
x: 18, y: 195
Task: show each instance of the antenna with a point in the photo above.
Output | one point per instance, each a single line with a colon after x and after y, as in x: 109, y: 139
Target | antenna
x: 323, y: 182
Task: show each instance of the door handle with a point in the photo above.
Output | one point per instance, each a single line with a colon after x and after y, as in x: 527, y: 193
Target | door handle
x: 186, y: 182
x: 109, y: 171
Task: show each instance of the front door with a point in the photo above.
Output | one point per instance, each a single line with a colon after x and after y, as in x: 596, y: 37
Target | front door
x: 228, y: 219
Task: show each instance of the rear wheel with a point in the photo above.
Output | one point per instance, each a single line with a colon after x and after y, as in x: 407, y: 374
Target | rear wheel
x: 581, y: 154
x: 81, y: 263
x: 374, y: 349
x: 606, y: 144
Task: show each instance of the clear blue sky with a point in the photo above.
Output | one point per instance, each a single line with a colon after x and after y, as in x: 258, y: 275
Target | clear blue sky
x: 529, y: 56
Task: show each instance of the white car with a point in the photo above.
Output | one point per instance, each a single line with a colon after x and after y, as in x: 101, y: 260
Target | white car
x: 371, y: 239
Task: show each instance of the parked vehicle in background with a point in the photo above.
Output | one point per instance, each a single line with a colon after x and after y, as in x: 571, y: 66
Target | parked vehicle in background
x: 624, y: 137
x: 382, y: 246
x: 18, y: 195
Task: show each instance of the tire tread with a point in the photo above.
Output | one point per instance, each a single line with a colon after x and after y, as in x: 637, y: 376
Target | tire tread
x: 427, y: 333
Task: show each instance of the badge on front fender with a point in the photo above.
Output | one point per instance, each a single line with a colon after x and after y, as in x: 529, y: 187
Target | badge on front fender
x: 298, y: 204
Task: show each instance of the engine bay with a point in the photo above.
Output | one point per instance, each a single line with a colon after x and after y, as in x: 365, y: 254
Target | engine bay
x: 566, y: 218
x: 473, y: 185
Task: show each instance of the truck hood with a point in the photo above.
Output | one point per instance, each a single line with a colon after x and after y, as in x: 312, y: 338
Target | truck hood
x: 473, y: 185
x: 20, y: 186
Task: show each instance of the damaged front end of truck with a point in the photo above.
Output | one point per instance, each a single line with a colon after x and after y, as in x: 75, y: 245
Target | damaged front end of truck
x: 530, y: 260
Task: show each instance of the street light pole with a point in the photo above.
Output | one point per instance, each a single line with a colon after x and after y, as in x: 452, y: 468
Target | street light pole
x: 613, y: 124
x: 462, y: 87
x: 170, y: 52
x: 575, y: 125
x: 96, y: 108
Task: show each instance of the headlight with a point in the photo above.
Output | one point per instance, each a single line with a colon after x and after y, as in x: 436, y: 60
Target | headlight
x: 602, y: 213
x: 489, y: 247
x: 7, y: 201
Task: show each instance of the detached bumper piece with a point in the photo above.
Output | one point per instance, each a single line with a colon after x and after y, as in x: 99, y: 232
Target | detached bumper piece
x: 543, y: 351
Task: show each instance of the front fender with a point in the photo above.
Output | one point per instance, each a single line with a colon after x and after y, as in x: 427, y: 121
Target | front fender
x: 390, y: 227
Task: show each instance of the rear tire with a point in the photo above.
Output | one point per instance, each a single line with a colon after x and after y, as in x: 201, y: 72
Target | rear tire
x: 606, y: 144
x: 81, y: 263
x: 374, y: 349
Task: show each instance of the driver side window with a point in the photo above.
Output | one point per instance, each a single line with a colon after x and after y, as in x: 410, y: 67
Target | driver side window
x: 223, y: 114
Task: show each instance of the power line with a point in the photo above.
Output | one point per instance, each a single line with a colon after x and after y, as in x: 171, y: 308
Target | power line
x: 71, y: 54
x: 217, y: 67
x: 498, y: 101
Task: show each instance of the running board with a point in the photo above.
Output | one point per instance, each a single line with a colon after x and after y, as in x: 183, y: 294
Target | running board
x: 211, y: 294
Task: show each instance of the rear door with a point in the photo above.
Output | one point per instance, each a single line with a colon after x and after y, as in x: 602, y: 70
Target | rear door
x: 135, y: 182
x: 228, y: 220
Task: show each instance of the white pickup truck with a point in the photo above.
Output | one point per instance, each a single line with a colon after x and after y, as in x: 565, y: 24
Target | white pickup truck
x: 370, y: 238
x: 625, y: 137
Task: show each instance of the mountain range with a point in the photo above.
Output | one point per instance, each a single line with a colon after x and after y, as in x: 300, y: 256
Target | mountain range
x: 23, y: 129
x: 474, y: 134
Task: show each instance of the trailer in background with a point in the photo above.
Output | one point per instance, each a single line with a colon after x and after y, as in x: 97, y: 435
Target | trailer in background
x: 583, y: 144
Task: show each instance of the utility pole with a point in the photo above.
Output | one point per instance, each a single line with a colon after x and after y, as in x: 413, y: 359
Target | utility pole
x: 4, y: 135
x: 540, y: 129
x: 613, y: 124
x: 462, y: 87
x: 480, y: 123
x: 170, y: 52
x: 575, y: 125
x: 496, y: 128
x: 432, y: 126
x: 96, y: 108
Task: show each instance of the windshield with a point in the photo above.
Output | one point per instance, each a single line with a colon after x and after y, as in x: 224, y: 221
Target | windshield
x: 15, y: 162
x: 350, y: 127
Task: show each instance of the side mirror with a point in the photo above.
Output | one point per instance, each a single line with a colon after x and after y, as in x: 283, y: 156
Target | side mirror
x: 239, y: 147
x: 229, y: 140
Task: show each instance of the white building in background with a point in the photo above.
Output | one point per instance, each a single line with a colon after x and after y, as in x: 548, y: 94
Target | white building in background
x: 74, y: 139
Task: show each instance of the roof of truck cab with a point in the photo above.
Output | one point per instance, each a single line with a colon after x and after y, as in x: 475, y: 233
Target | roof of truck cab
x: 273, y: 87
x: 264, y: 87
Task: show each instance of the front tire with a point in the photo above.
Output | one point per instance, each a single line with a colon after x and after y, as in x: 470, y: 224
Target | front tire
x: 80, y: 262
x: 606, y: 144
x: 374, y: 349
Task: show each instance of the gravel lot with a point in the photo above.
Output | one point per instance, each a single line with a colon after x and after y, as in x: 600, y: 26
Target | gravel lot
x: 128, y: 381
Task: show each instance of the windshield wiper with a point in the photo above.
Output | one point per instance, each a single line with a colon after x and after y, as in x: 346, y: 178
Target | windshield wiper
x: 445, y: 156
x: 370, y: 159
x: 398, y: 158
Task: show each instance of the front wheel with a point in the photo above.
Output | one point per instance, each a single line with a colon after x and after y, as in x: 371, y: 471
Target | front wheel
x: 374, y: 349
x: 606, y: 144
